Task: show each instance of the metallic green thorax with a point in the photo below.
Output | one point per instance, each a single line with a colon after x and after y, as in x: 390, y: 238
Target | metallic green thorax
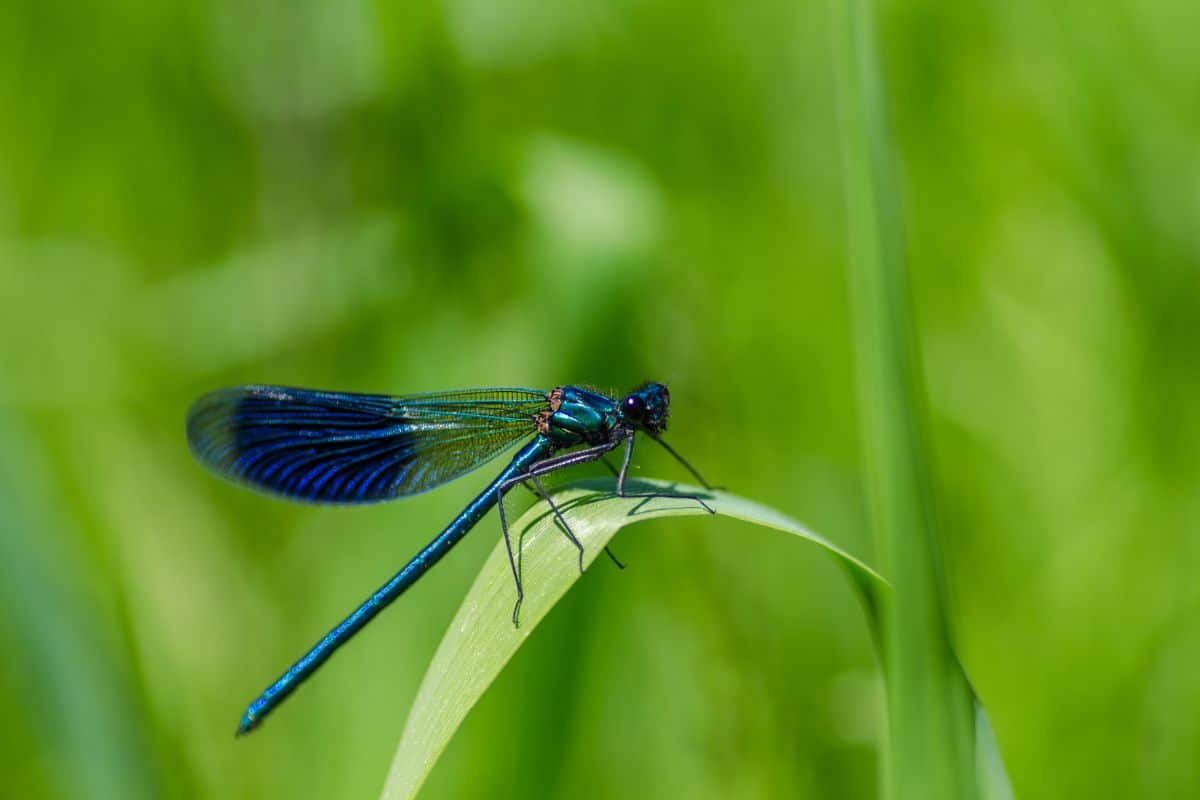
x: 580, y: 416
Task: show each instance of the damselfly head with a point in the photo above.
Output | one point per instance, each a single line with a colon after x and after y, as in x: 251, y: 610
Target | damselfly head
x: 646, y: 407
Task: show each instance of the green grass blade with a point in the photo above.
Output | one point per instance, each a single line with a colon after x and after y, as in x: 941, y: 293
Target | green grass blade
x: 481, y: 638
x: 930, y: 752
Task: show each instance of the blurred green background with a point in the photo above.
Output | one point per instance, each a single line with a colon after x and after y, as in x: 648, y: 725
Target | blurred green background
x: 411, y: 196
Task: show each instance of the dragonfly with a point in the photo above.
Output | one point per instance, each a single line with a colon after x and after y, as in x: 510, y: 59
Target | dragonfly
x: 347, y: 448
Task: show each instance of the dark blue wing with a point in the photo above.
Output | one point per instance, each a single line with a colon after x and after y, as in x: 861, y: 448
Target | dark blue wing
x: 335, y: 447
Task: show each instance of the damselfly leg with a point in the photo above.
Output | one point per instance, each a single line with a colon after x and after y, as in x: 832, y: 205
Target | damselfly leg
x: 558, y: 515
x: 585, y: 456
x: 545, y: 467
x: 650, y: 495
x: 686, y: 464
x: 544, y: 495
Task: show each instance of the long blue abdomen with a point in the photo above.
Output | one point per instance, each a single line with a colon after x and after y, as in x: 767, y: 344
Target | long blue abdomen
x: 536, y: 450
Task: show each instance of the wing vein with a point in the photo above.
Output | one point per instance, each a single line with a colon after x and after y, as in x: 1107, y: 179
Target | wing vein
x: 332, y: 447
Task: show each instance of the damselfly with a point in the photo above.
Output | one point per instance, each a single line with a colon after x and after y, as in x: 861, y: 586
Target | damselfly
x: 336, y: 447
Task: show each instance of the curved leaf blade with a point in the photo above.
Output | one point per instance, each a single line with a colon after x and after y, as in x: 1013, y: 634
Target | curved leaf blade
x: 481, y: 638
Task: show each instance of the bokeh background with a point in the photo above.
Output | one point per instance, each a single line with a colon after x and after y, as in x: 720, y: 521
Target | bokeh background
x: 411, y: 196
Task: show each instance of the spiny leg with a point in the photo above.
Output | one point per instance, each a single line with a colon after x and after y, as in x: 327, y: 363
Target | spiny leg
x: 567, y: 528
x: 648, y: 495
x: 541, y: 468
x: 685, y: 463
x: 559, y: 462
x: 549, y: 465
x: 585, y: 456
x: 512, y: 561
x: 558, y: 515
x: 553, y: 465
x: 541, y: 494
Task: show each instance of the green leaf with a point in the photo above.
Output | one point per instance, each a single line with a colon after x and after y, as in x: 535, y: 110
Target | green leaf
x: 481, y: 638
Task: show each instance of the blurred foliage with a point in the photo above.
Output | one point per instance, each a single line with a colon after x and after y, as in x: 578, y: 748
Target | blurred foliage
x: 400, y: 197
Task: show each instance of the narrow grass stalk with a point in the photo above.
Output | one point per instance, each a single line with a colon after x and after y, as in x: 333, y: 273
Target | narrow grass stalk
x: 929, y: 753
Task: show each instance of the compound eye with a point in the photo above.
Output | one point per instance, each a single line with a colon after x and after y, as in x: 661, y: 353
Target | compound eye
x: 635, y: 408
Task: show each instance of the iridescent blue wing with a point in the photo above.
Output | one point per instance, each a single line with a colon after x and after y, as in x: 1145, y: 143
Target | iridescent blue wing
x: 335, y: 447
